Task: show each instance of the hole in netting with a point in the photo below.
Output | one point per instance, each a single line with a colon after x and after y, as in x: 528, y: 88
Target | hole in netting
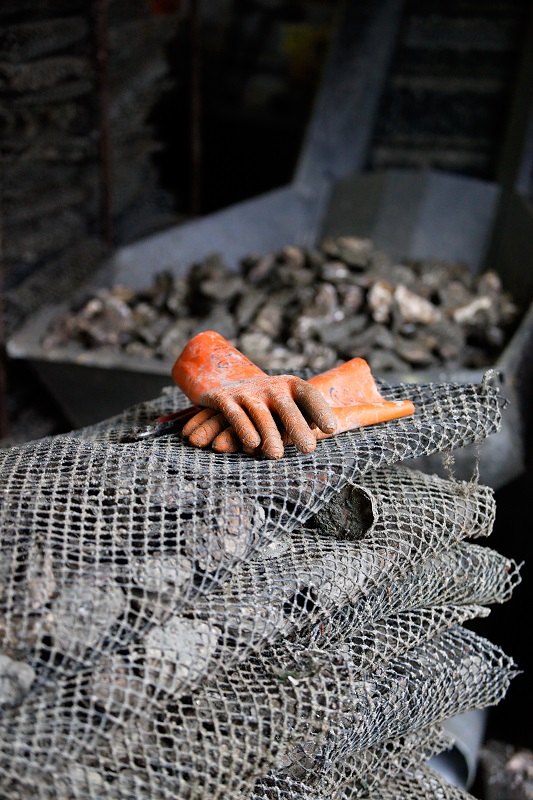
x: 302, y: 600
x: 348, y: 515
x: 184, y: 708
x: 46, y: 655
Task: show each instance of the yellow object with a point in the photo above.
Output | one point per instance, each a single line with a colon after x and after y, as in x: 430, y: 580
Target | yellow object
x: 304, y: 45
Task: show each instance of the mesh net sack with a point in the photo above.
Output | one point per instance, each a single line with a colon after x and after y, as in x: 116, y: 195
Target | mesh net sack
x: 180, y: 624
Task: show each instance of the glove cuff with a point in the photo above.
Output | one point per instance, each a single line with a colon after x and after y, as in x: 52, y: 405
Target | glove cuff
x: 208, y: 361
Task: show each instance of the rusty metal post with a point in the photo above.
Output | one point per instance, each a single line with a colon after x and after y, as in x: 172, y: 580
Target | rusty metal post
x: 3, y: 374
x: 196, y: 107
x: 101, y: 14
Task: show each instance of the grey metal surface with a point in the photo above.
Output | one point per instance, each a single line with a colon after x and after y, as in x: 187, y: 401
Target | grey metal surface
x: 88, y: 386
x: 284, y: 216
x: 416, y: 214
x: 338, y: 136
x: 459, y: 765
x: 496, y: 461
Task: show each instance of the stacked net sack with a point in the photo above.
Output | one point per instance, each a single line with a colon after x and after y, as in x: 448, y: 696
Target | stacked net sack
x: 180, y: 624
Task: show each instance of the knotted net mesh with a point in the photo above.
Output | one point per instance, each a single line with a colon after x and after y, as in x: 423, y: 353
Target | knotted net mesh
x: 180, y: 624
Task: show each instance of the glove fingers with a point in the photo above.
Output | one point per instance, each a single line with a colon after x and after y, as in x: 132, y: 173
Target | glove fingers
x: 271, y: 443
x: 272, y: 446
x: 315, y: 406
x: 204, y: 434
x: 227, y: 442
x: 237, y: 416
x: 296, y: 427
x: 197, y: 420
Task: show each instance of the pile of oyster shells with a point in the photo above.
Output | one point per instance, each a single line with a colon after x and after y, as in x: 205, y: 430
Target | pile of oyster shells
x: 310, y: 308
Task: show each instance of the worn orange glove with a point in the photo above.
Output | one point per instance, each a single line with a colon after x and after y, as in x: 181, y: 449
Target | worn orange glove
x: 354, y: 397
x: 249, y: 406
x: 212, y: 373
x: 352, y: 393
x: 208, y: 369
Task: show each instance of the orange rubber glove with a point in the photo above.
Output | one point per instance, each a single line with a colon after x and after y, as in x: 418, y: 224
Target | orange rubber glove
x: 213, y: 373
x: 354, y: 397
